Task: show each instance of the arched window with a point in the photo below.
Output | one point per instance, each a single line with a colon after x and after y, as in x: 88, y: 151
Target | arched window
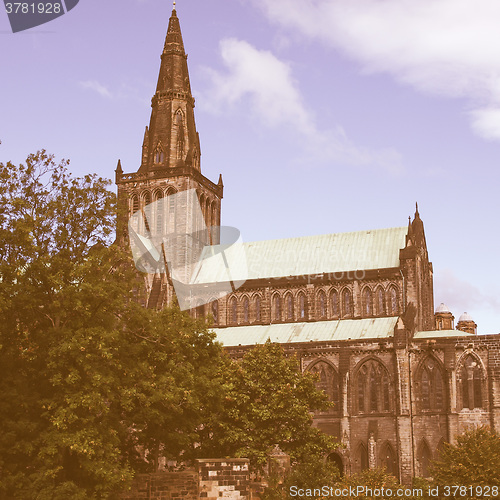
x: 208, y: 213
x: 346, y: 303
x: 233, y: 310
x: 362, y: 457
x: 159, y: 155
x: 215, y: 311
x: 148, y: 210
x: 328, y: 381
x: 336, y: 460
x: 367, y: 302
x: 431, y: 385
x: 471, y: 381
x: 180, y: 134
x: 276, y: 308
x: 321, y: 305
x: 158, y: 196
x: 171, y: 211
x: 135, y: 204
x: 373, y: 388
x: 388, y: 459
x: 289, y: 307
x: 393, y: 301
x: 380, y: 301
x: 424, y: 459
x: 302, y: 306
x: 334, y: 301
x: 257, y: 309
x: 246, y: 310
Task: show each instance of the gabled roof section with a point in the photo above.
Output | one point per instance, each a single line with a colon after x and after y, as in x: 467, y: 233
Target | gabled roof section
x: 312, y: 255
x: 284, y: 333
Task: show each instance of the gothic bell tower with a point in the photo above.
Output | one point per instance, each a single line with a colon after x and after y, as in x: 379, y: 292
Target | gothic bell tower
x: 170, y: 163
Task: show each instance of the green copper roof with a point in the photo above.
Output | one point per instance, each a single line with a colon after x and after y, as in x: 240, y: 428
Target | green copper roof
x: 309, y: 255
x: 441, y: 333
x: 283, y: 333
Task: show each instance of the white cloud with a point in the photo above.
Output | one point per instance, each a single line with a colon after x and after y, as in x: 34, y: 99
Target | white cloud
x: 460, y: 296
x: 96, y: 87
x: 445, y: 47
x: 267, y: 83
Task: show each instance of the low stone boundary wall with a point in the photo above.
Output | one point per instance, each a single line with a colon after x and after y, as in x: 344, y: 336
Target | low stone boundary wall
x: 212, y: 479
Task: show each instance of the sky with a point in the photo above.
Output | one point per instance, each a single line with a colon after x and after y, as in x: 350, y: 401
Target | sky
x: 323, y: 116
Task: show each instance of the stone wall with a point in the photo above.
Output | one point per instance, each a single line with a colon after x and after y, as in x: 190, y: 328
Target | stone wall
x: 212, y: 479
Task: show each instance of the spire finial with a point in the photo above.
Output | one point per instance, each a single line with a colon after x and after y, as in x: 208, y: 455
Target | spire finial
x: 416, y: 209
x: 174, y: 4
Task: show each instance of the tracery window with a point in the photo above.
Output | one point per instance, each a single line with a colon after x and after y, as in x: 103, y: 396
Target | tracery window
x: 322, y: 305
x: 257, y: 309
x: 373, y: 393
x: 159, y: 156
x: 302, y: 306
x: 380, y: 302
x: 215, y: 311
x: 471, y: 383
x: 362, y: 457
x: 289, y: 307
x: 393, y: 301
x: 346, y: 303
x: 246, y: 310
x: 276, y: 308
x: 328, y: 381
x: 148, y: 210
x: 334, y: 300
x: 367, y: 302
x: 159, y: 211
x: 431, y: 385
x: 233, y: 309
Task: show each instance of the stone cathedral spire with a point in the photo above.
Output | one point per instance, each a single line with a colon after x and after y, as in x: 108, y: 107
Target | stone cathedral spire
x: 171, y: 139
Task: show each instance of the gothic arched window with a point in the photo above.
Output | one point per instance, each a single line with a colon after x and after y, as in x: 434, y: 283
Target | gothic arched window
x: 233, y: 310
x: 334, y: 300
x: 424, y: 459
x: 171, y: 211
x: 158, y: 196
x: 380, y: 301
x: 346, y: 303
x: 135, y: 204
x: 362, y: 457
x: 180, y: 134
x: 388, y: 459
x: 328, y: 381
x: 393, y: 301
x: 289, y: 307
x: 321, y: 305
x: 431, y: 385
x: 276, y: 308
x: 246, y: 310
x: 215, y: 311
x: 471, y: 381
x: 257, y: 308
x: 302, y: 306
x: 373, y: 388
x: 367, y: 302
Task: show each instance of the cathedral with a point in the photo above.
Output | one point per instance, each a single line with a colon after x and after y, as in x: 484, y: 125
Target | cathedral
x: 356, y: 308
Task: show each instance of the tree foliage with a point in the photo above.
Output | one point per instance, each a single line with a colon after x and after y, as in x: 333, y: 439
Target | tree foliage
x: 88, y: 378
x: 473, y: 461
x: 95, y: 388
x: 268, y: 401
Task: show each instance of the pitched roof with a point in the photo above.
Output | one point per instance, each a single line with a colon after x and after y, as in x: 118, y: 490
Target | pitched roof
x: 284, y: 333
x: 309, y: 255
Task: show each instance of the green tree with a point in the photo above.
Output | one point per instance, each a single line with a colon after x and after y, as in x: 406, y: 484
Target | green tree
x: 268, y: 401
x: 473, y: 461
x: 88, y: 379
